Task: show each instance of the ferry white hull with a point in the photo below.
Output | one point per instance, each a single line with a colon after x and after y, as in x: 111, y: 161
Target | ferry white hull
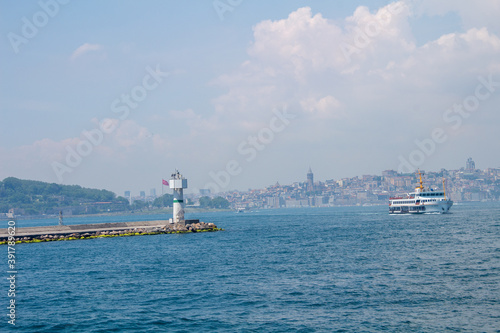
x: 442, y: 207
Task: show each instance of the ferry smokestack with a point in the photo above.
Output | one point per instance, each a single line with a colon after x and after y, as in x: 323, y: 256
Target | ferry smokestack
x: 178, y: 183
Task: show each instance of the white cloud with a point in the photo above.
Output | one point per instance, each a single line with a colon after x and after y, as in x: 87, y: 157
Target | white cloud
x: 85, y: 48
x: 305, y: 43
x: 322, y: 108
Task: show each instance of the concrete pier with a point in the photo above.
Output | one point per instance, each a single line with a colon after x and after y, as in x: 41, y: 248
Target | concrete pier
x: 83, y: 231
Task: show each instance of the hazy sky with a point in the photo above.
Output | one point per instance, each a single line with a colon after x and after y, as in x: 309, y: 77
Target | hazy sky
x: 241, y: 94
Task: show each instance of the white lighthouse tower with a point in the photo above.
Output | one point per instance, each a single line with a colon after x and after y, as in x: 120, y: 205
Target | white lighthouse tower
x: 178, y: 183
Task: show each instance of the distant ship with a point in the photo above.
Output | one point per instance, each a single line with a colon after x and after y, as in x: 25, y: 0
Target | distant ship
x: 421, y: 201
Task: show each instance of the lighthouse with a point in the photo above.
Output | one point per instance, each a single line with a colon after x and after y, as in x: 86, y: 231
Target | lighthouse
x: 178, y: 183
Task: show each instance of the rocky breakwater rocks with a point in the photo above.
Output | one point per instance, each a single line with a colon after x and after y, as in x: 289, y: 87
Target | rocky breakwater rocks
x: 139, y: 231
x: 200, y: 227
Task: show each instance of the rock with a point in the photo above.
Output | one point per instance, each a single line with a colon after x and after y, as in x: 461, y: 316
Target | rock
x: 180, y: 228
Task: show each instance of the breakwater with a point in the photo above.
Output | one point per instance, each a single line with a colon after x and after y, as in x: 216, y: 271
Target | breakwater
x: 97, y: 230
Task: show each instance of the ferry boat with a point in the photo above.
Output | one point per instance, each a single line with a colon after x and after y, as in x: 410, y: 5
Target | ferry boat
x: 421, y: 201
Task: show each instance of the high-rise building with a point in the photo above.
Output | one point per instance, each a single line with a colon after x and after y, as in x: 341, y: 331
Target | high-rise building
x: 142, y: 194
x: 152, y: 192
x: 310, y: 181
x: 470, y: 165
x: 204, y: 191
x: 128, y: 197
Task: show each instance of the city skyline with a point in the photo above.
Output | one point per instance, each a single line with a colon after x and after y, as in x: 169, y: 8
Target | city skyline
x: 240, y: 95
x: 309, y: 182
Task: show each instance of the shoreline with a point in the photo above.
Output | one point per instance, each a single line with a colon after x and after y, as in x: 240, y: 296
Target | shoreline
x: 123, y: 213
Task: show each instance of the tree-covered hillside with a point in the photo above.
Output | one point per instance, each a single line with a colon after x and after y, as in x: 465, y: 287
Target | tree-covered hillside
x: 29, y: 197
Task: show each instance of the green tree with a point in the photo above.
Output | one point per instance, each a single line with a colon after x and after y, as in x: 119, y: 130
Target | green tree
x: 164, y: 201
x: 220, y: 203
x: 37, y: 197
x: 205, y: 202
x: 138, y: 205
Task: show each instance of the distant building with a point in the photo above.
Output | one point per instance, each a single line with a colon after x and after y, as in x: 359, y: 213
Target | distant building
x: 389, y: 173
x: 310, y: 181
x: 152, y: 192
x: 128, y: 196
x: 470, y: 165
x: 275, y: 202
x: 142, y: 194
x: 204, y: 191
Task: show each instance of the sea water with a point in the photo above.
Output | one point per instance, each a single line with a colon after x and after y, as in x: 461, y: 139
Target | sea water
x: 338, y: 269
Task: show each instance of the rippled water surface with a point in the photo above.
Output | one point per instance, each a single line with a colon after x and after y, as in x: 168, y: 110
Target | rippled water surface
x: 346, y: 269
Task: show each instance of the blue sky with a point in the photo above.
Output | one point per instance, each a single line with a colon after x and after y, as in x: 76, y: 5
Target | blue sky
x: 366, y: 85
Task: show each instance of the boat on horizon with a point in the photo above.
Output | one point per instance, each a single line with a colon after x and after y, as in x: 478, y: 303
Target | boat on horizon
x: 421, y: 201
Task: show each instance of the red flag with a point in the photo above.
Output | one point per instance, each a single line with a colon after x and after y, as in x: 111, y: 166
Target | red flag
x: 164, y: 182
